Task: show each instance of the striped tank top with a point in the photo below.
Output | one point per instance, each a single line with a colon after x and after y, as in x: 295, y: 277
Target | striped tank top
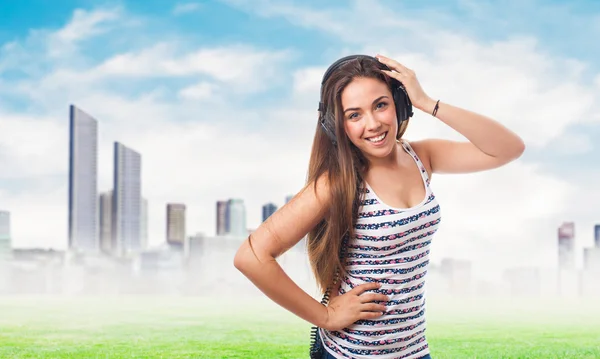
x: 391, y: 247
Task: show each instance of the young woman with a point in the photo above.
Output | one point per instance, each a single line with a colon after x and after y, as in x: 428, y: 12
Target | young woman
x: 369, y: 209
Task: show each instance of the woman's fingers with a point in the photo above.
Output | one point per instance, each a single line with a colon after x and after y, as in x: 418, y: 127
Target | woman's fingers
x: 358, y: 290
x: 372, y: 307
x: 371, y: 297
x: 393, y: 64
x: 370, y: 315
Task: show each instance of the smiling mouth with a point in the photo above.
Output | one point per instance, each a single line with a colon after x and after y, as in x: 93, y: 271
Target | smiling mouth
x: 377, y: 139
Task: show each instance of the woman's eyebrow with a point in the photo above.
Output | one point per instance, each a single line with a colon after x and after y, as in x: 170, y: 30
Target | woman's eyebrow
x: 356, y: 108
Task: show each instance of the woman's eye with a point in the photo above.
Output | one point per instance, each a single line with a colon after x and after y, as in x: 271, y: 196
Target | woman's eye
x: 352, y: 116
x: 381, y: 104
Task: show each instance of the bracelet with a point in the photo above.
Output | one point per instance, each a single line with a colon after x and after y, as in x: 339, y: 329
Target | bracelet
x: 435, y: 109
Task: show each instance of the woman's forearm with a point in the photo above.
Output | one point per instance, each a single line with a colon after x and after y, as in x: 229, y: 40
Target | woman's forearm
x: 488, y: 135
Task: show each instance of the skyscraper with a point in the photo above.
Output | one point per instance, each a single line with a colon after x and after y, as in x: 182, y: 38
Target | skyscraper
x: 106, y: 212
x: 566, y: 245
x: 127, y: 199
x: 106, y: 218
x: 222, y: 225
x: 267, y: 210
x: 144, y: 223
x: 236, y: 211
x: 288, y: 198
x: 5, y: 244
x: 83, y: 173
x: 176, y: 224
x: 597, y: 236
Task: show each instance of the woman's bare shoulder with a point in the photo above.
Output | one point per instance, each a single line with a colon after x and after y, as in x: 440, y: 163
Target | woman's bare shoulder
x: 422, y: 150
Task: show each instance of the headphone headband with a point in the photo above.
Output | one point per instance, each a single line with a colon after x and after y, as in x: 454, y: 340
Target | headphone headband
x: 339, y: 62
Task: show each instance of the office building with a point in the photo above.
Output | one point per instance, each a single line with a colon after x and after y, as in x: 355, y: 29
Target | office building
x: 222, y: 218
x: 83, y: 173
x: 566, y: 245
x: 267, y: 210
x: 144, y: 224
x: 176, y: 224
x: 236, y: 211
x: 106, y: 212
x: 127, y: 200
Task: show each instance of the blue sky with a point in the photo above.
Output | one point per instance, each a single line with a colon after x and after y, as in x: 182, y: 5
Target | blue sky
x: 561, y: 26
x: 220, y: 99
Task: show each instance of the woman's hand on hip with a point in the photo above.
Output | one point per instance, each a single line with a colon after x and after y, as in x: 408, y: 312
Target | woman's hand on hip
x: 344, y: 310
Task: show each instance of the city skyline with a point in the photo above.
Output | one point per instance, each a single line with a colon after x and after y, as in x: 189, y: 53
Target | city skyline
x: 127, y: 234
x: 194, y: 97
x: 115, y: 221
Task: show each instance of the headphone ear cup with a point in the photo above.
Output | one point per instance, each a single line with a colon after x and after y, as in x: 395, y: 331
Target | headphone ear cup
x: 327, y: 123
x: 403, y: 104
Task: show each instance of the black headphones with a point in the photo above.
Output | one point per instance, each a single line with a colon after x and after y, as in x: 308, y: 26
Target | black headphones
x: 402, y: 102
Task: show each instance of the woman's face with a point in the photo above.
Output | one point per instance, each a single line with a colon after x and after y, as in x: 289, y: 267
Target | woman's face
x: 370, y: 116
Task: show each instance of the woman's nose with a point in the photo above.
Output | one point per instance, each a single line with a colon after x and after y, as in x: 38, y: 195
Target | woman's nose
x: 372, y: 123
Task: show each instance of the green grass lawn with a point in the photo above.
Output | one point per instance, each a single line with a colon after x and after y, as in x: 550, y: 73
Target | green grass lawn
x: 163, y: 327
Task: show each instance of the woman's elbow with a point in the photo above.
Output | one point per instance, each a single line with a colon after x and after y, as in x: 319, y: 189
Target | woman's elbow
x: 240, y: 260
x: 245, y: 257
x: 519, y: 148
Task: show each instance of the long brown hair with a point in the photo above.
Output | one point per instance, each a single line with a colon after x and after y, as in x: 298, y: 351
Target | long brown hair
x: 344, y: 165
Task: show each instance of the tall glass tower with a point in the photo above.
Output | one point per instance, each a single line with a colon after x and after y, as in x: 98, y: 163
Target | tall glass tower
x: 106, y: 237
x: 267, y: 210
x: 222, y: 225
x: 237, y: 218
x: 127, y: 200
x: 83, y: 181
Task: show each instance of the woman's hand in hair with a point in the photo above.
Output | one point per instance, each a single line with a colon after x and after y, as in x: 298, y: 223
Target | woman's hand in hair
x: 344, y: 310
x: 408, y: 78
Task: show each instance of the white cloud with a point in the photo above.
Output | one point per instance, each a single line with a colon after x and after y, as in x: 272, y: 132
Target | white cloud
x: 573, y: 144
x: 186, y: 8
x: 82, y: 26
x: 308, y: 80
x: 501, y: 217
x: 45, y: 49
x: 27, y: 141
x: 234, y: 63
x: 85, y: 24
x: 239, y: 68
x: 349, y: 24
x: 202, y: 90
